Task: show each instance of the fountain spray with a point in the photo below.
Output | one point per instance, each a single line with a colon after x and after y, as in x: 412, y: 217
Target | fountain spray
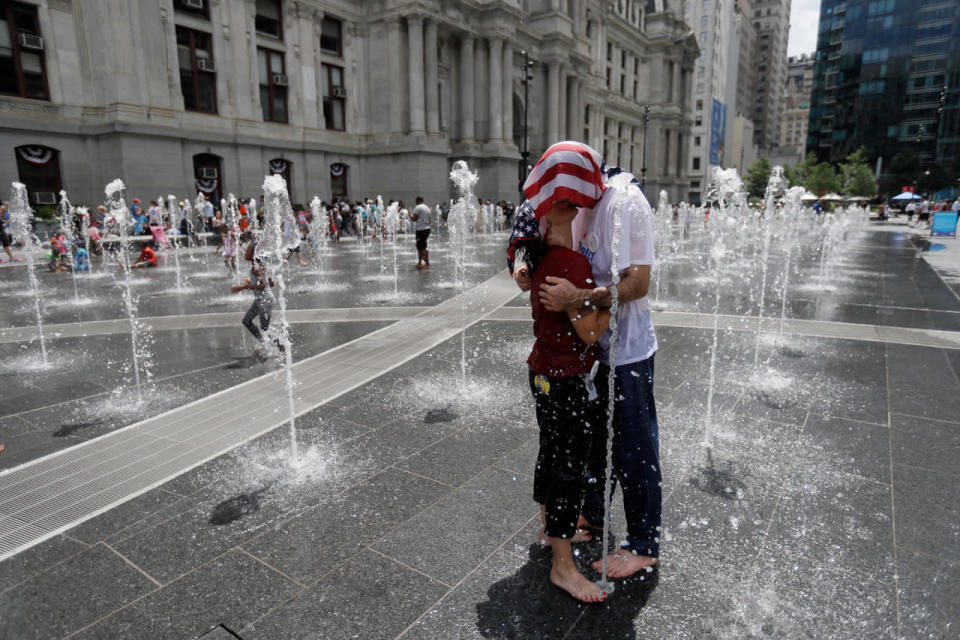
x: 66, y: 228
x: 174, y: 233
x: 774, y: 191
x: 118, y: 210
x: 21, y: 228
x: 392, y: 223
x: 792, y: 210
x: 280, y: 236
x: 460, y: 221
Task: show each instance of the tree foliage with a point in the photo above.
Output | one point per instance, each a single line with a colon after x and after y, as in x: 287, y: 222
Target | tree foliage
x: 858, y: 179
x: 758, y: 174
x: 822, y: 180
x: 797, y: 175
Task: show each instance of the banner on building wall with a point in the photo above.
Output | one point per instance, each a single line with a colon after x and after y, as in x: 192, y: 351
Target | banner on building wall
x: 36, y: 154
x: 337, y: 169
x: 279, y: 166
x: 718, y: 126
x: 207, y: 185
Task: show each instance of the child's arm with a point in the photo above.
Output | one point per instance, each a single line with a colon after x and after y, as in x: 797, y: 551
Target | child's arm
x: 590, y: 325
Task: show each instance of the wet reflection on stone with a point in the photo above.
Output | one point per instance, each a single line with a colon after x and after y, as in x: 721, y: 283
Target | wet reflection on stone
x: 719, y: 481
x: 69, y: 429
x: 232, y: 509
x: 444, y: 414
x: 244, y: 363
x: 791, y: 352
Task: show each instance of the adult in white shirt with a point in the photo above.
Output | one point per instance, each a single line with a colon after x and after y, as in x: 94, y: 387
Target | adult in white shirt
x: 636, y: 460
x: 420, y: 216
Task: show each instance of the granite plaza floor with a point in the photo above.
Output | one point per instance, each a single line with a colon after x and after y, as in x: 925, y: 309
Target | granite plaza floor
x: 828, y: 508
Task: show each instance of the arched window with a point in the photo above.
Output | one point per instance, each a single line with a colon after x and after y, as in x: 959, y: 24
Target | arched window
x: 281, y: 167
x: 338, y: 180
x: 39, y: 169
x: 208, y: 177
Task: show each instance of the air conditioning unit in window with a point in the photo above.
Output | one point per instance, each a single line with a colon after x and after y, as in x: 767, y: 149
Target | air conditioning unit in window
x: 30, y: 41
x: 206, y: 64
x: 279, y: 80
x: 193, y: 4
x: 209, y: 173
x: 44, y: 197
x: 339, y: 92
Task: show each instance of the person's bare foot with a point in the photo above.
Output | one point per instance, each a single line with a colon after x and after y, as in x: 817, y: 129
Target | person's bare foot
x: 624, y: 563
x: 573, y: 582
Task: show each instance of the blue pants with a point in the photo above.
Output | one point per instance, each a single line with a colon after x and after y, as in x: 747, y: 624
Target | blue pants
x: 636, y: 457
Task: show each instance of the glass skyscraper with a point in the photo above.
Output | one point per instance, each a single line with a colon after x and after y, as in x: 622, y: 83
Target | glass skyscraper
x: 887, y: 77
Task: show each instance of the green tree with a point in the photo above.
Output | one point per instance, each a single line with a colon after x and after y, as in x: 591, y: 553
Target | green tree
x: 858, y: 179
x: 822, y: 180
x: 757, y: 177
x: 797, y: 175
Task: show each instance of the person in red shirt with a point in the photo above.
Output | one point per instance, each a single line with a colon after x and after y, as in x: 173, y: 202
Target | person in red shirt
x: 561, y: 363
x: 148, y: 257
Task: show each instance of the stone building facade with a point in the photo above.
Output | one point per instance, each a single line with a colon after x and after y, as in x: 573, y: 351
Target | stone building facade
x: 796, y: 108
x: 344, y: 99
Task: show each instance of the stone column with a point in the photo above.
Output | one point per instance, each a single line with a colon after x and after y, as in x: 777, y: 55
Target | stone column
x: 432, y: 89
x: 553, y: 103
x: 466, y: 88
x: 678, y: 93
x: 573, y: 115
x: 415, y: 72
x: 506, y: 108
x: 496, y: 86
x: 396, y: 106
x: 562, y: 105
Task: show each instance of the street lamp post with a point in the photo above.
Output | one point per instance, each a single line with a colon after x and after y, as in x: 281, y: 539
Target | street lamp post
x: 643, y: 160
x: 525, y: 151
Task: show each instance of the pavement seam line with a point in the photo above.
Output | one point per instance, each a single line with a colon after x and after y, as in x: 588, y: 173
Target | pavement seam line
x: 932, y: 556
x: 271, y: 567
x: 468, y: 574
x: 893, y: 511
x: 132, y: 564
x: 407, y: 566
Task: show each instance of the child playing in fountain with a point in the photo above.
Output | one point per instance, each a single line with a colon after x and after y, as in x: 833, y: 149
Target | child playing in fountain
x: 562, y: 365
x: 262, y: 306
x: 230, y: 250
x: 147, y: 258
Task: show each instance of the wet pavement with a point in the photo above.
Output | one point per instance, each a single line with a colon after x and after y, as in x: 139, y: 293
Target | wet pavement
x: 828, y: 508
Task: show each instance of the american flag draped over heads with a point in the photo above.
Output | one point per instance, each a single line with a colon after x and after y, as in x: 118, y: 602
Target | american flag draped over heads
x: 526, y: 226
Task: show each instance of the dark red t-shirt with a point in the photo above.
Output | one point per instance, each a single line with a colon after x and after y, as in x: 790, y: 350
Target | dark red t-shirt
x: 559, y: 352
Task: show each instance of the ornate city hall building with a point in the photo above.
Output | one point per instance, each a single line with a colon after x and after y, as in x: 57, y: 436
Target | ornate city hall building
x: 344, y: 99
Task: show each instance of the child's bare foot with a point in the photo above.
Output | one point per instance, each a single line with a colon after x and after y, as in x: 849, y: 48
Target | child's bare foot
x: 573, y: 582
x: 624, y: 563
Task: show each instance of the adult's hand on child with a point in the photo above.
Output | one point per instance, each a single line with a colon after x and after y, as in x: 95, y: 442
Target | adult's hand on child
x: 559, y: 294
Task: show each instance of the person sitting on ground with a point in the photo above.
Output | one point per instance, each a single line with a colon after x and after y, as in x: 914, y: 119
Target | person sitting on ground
x: 147, y: 258
x: 81, y: 260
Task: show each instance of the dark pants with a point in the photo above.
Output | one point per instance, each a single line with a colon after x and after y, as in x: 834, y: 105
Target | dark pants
x: 422, y: 236
x: 636, y: 457
x: 262, y: 306
x: 565, y: 417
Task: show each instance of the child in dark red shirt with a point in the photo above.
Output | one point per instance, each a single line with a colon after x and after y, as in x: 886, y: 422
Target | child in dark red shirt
x: 561, y: 363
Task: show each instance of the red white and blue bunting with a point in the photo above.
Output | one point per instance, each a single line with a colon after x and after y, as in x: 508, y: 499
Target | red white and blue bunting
x: 207, y: 185
x: 337, y: 169
x: 36, y: 154
x: 279, y: 166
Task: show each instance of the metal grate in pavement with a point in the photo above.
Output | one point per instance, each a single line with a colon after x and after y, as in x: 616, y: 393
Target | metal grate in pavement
x: 52, y: 494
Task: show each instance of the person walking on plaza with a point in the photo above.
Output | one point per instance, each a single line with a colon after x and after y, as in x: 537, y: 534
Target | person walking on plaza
x: 421, y: 227
x: 636, y: 458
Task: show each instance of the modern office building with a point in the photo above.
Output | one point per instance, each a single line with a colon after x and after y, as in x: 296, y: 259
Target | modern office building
x: 887, y: 77
x: 345, y: 99
x: 796, y: 111
x: 771, y: 21
x: 714, y: 88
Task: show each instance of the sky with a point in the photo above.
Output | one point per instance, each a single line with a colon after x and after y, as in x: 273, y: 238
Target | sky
x: 804, y: 15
